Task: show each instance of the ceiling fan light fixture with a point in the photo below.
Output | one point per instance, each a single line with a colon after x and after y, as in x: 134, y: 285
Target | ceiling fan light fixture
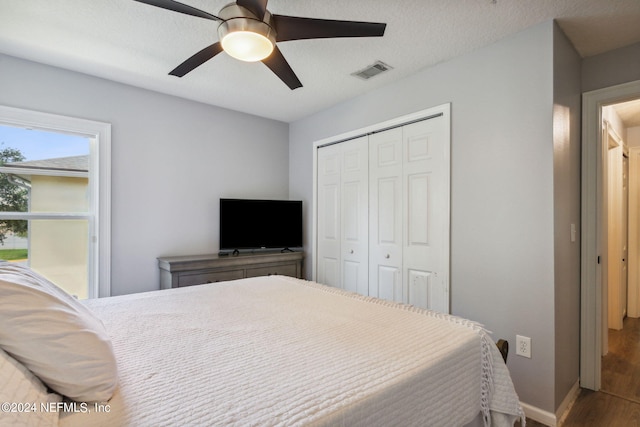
x: 247, y: 39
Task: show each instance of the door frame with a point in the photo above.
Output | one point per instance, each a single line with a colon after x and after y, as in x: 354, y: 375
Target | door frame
x: 633, y: 298
x: 591, y: 316
x: 440, y: 110
x: 612, y: 281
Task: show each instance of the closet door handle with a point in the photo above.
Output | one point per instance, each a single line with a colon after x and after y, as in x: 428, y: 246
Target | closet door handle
x: 351, y: 251
x: 387, y: 256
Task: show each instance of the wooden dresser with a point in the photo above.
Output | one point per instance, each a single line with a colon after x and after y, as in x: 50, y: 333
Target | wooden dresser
x: 179, y: 271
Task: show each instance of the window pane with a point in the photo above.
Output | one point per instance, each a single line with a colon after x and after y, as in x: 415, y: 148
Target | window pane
x: 46, y: 172
x: 14, y: 193
x: 34, y: 144
x: 13, y: 241
x: 57, y: 249
x: 59, y: 194
x: 43, y: 171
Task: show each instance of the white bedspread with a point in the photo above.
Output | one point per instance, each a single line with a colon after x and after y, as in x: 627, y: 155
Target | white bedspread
x: 282, y: 351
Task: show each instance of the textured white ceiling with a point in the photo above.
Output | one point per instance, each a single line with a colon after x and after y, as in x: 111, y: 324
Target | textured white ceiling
x: 138, y: 44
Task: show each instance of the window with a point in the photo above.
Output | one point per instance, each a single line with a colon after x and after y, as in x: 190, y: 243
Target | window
x: 55, y: 198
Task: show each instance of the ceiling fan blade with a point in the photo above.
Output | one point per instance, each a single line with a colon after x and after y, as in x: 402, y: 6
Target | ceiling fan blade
x: 257, y: 7
x: 297, y: 28
x: 197, y: 60
x: 282, y: 69
x: 179, y: 7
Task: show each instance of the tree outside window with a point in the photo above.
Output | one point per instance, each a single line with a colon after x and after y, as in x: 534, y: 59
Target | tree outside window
x: 13, y: 198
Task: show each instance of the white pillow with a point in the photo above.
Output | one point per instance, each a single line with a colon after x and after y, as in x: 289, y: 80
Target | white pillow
x: 55, y: 336
x: 19, y: 392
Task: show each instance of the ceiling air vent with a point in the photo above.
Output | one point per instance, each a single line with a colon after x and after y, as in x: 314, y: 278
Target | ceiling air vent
x: 372, y: 70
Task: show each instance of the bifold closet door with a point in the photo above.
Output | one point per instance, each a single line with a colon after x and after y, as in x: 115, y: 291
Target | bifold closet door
x: 408, y: 220
x: 385, y: 215
x: 426, y: 189
x: 342, y: 215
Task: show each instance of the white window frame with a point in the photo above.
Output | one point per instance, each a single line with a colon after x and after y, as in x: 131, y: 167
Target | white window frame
x: 99, y: 215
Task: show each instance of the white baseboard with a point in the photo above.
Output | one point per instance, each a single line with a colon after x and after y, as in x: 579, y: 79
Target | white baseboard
x: 539, y: 415
x: 549, y: 418
x: 567, y: 403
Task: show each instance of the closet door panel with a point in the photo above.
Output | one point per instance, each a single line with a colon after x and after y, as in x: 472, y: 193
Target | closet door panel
x: 351, y: 275
x: 426, y: 196
x: 342, y: 215
x: 420, y: 288
x: 385, y: 215
x: 388, y: 284
x: 418, y: 210
x: 355, y: 221
x: 329, y: 271
x: 329, y: 232
x: 388, y: 214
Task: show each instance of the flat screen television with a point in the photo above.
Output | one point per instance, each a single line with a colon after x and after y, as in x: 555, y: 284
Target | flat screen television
x: 249, y: 225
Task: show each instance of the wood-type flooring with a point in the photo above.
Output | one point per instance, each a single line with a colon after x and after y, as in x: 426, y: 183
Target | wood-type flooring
x: 617, y: 404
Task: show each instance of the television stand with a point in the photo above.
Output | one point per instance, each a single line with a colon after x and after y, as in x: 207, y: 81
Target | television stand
x: 179, y: 271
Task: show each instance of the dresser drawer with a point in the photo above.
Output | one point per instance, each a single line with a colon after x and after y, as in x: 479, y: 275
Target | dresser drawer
x: 180, y: 271
x: 219, y: 276
x: 283, y: 270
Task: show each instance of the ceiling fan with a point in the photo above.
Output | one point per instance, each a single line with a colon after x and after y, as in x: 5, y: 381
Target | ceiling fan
x: 249, y: 32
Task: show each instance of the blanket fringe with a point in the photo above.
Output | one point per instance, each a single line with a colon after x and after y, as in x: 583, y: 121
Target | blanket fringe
x: 486, y: 388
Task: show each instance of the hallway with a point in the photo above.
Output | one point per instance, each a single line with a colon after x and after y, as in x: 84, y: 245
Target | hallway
x: 621, y: 366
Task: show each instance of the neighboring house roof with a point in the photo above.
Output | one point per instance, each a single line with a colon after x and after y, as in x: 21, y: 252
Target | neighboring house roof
x: 73, y: 163
x: 73, y: 166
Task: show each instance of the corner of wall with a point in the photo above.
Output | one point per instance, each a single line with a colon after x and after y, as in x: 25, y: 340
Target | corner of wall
x: 566, y: 205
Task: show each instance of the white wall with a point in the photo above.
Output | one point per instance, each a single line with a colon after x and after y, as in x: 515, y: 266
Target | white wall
x: 502, y: 207
x: 172, y: 159
x: 609, y: 114
x: 633, y: 136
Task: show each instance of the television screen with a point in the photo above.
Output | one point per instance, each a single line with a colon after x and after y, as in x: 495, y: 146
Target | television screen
x: 260, y: 224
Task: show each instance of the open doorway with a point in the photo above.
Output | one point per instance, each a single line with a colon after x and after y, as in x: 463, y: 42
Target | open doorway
x: 604, y: 259
x: 621, y: 322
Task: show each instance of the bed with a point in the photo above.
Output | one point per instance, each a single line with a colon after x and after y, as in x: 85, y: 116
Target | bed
x: 276, y: 350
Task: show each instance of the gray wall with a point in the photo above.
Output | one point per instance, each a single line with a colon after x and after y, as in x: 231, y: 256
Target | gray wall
x: 611, y: 68
x: 566, y: 186
x: 502, y: 206
x: 172, y: 159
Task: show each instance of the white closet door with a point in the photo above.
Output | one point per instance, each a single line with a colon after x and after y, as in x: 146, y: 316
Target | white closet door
x: 355, y: 208
x: 343, y: 215
x: 426, y: 220
x: 385, y: 215
x: 328, y: 216
x: 385, y: 231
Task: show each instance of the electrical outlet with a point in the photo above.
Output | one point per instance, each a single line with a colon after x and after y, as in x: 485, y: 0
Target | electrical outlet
x: 523, y: 346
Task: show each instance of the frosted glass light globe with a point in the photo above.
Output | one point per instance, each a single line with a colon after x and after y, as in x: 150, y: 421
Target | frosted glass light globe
x: 247, y: 46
